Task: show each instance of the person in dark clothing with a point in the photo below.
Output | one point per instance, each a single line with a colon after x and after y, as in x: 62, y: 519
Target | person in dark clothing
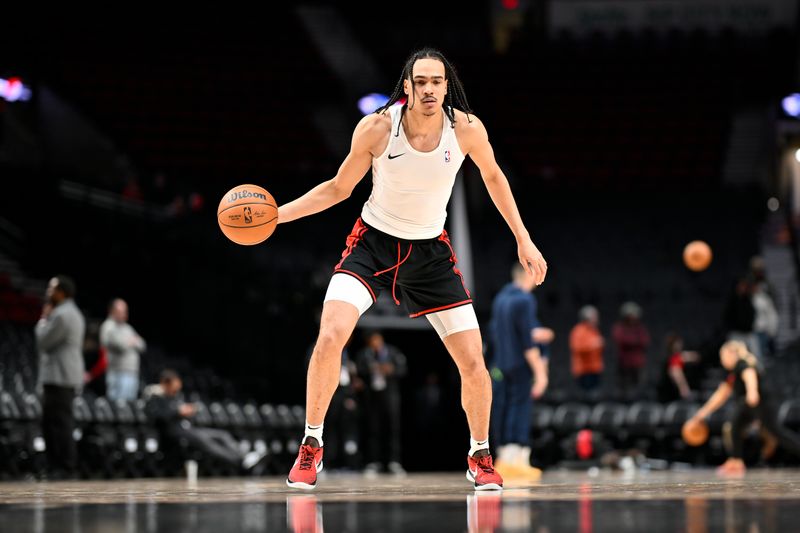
x: 739, y: 315
x: 59, y: 339
x: 519, y: 373
x: 381, y: 366
x: 754, y: 401
x: 172, y: 417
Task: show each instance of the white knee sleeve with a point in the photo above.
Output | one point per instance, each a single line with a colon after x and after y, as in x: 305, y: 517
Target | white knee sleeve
x: 346, y: 288
x: 453, y: 320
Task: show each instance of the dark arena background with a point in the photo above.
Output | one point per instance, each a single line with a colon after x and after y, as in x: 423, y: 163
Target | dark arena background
x: 627, y: 129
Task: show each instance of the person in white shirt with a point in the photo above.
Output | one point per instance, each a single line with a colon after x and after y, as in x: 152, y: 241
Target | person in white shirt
x: 123, y: 348
x: 399, y: 245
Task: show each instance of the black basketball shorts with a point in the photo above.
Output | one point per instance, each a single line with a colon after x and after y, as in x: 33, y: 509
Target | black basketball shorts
x: 422, y: 273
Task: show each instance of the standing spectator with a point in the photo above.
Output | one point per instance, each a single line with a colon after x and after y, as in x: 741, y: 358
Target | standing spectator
x: 381, y: 366
x: 586, y: 343
x: 59, y: 339
x: 765, y: 324
x: 632, y: 340
x: 672, y: 383
x: 740, y: 315
x: 123, y: 347
x: 518, y: 342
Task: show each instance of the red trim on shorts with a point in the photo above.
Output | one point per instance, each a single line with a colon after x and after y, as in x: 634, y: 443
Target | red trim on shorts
x: 358, y: 231
x: 396, y: 269
x: 453, y: 259
x: 359, y: 278
x: 442, y: 308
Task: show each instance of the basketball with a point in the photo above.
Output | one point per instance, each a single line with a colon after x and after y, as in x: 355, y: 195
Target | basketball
x: 694, y: 433
x: 697, y: 256
x: 247, y: 214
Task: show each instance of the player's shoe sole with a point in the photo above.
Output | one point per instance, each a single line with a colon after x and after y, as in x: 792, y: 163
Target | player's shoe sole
x: 485, y: 486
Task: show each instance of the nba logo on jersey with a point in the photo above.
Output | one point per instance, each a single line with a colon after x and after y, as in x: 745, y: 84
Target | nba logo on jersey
x: 447, y: 156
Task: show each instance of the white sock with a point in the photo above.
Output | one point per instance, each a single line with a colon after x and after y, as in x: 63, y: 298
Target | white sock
x: 475, y: 446
x: 314, y: 431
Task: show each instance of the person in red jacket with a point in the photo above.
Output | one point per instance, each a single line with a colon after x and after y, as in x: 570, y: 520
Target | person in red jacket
x: 632, y: 340
x: 586, y: 343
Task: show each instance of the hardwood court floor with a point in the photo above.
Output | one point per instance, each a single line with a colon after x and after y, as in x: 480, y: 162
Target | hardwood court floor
x: 765, y: 500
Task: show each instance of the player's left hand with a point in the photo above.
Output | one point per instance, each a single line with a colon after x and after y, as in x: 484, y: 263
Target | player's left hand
x: 532, y: 260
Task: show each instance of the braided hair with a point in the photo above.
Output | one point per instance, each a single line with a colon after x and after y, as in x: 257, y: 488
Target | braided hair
x: 455, y: 93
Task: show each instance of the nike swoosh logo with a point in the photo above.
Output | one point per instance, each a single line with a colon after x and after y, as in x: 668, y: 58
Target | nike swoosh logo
x: 398, y: 155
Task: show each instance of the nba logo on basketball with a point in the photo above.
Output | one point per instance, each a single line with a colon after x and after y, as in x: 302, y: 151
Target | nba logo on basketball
x: 447, y: 156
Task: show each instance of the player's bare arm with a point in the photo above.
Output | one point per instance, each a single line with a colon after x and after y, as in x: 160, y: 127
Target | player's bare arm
x: 474, y: 142
x: 369, y: 139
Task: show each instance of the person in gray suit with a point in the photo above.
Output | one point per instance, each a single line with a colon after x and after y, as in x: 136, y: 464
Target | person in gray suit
x: 59, y: 339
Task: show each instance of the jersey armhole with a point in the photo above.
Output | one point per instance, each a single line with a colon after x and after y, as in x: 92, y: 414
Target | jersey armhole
x: 392, y: 114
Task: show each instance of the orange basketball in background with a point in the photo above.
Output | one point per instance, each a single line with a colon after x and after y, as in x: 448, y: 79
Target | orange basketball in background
x: 697, y: 256
x: 247, y: 214
x: 694, y: 433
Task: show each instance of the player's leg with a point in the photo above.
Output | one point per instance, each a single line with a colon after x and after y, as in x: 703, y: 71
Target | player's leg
x: 742, y: 418
x: 458, y: 329
x: 345, y: 301
x: 476, y: 388
x: 324, y: 370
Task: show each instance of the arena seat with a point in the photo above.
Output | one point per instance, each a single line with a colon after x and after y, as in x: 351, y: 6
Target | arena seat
x: 608, y: 418
x: 642, y: 422
x: 219, y: 415
x: 541, y: 418
x: 128, y: 438
x: 675, y: 415
x: 789, y: 414
x: 544, y: 448
x: 570, y: 417
x: 13, y: 439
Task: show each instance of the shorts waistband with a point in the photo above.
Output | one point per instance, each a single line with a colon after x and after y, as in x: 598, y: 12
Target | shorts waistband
x: 400, y: 239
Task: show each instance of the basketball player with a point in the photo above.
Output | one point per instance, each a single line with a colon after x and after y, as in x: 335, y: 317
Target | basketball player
x: 399, y: 245
x: 753, y: 402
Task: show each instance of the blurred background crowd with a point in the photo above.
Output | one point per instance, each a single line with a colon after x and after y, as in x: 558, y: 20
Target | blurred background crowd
x: 627, y: 130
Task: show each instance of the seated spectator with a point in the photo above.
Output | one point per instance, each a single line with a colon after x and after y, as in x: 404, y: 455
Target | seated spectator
x: 172, y: 416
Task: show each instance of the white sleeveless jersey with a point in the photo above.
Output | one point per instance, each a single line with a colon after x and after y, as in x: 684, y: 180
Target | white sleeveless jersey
x: 410, y: 189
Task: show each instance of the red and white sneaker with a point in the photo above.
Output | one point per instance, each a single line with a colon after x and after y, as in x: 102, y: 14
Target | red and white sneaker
x: 306, y: 467
x: 482, y: 473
